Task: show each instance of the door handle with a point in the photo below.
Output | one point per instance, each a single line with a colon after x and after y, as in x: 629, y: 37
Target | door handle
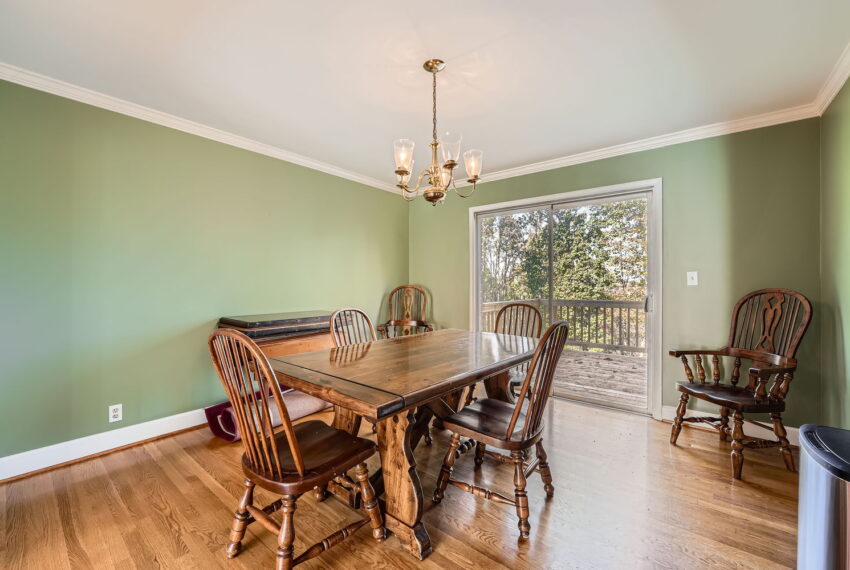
x: 646, y: 304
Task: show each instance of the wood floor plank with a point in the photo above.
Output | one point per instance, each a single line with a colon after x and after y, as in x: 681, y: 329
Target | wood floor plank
x: 623, y: 497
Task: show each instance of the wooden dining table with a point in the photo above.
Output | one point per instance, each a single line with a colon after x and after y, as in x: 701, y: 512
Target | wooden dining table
x: 400, y: 384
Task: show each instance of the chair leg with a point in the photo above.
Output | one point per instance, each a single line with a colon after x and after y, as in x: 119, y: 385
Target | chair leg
x: 446, y: 469
x: 240, y: 520
x: 286, y: 538
x: 724, y: 424
x: 737, y: 445
x: 479, y: 453
x: 520, y: 494
x: 784, y: 445
x: 545, y: 472
x: 680, y: 414
x: 370, y: 503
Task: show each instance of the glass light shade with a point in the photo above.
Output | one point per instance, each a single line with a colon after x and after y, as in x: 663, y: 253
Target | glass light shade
x: 450, y: 146
x: 403, y: 151
x: 445, y: 177
x: 473, y: 160
x: 406, y: 178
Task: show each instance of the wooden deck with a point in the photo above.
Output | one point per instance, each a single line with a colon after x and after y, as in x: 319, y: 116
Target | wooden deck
x: 624, y: 498
x: 602, y: 377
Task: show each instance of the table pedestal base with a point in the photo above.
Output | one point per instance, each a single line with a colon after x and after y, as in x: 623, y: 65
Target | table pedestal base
x: 414, y: 539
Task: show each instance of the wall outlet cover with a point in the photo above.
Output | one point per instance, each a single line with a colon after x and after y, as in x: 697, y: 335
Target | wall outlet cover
x: 693, y: 279
x: 116, y: 413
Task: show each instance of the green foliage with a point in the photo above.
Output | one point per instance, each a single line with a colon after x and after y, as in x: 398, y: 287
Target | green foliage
x: 598, y: 252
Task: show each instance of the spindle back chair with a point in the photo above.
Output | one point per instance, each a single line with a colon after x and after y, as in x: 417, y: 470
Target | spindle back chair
x: 351, y: 326
x: 288, y: 462
x: 510, y: 427
x: 767, y: 328
x: 519, y: 319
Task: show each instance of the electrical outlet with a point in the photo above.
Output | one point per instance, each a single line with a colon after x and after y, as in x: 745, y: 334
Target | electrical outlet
x: 693, y: 279
x: 116, y: 413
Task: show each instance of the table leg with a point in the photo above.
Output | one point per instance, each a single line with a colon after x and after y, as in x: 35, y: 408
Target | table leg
x: 402, y: 488
x: 346, y: 420
x: 498, y: 387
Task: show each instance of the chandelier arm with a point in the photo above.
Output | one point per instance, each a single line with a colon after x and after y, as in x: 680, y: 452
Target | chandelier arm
x: 418, y: 183
x: 458, y: 192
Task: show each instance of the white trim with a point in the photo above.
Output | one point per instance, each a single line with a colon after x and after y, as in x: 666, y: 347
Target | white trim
x: 652, y: 187
x: 669, y: 413
x: 708, y: 131
x: 97, y: 99
x: 35, y: 459
x: 836, y: 80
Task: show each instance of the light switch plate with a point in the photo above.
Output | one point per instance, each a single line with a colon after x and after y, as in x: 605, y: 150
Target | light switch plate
x: 693, y: 279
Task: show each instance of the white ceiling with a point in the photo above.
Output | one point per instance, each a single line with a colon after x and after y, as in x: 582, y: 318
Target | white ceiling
x: 338, y: 81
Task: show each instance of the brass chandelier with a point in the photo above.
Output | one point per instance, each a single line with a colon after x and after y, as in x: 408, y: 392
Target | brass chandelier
x: 440, y: 178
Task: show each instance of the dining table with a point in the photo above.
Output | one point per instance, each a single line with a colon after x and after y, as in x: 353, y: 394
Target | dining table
x: 400, y: 384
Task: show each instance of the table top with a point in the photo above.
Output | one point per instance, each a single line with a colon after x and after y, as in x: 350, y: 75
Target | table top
x: 380, y: 378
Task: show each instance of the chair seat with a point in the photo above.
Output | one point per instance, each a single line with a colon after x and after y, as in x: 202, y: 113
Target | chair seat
x: 731, y: 397
x: 486, y: 420
x: 326, y: 451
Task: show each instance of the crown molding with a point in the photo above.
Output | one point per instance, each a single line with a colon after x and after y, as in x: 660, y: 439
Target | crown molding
x: 69, y: 91
x: 707, y: 131
x: 834, y: 82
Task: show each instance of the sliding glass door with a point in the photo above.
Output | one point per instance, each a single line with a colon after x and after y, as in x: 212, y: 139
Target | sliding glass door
x: 585, y: 262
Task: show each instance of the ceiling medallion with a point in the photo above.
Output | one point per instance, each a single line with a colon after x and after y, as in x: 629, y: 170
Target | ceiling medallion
x: 440, y: 178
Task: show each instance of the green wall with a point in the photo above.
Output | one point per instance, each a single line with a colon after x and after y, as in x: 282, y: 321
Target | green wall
x: 835, y: 258
x: 741, y: 209
x: 122, y: 242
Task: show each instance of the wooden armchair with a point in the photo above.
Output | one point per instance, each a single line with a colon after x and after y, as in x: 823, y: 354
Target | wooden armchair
x: 512, y: 427
x: 289, y: 463
x: 407, y: 306
x: 767, y: 327
x: 519, y: 319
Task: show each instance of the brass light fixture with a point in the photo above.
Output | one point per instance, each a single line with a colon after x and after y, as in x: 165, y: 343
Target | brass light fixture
x: 440, y: 178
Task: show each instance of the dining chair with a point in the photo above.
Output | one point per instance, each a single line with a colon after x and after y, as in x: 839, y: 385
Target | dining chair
x: 407, y: 308
x: 351, y: 326
x: 510, y: 427
x: 767, y: 327
x: 295, y: 460
x: 519, y: 319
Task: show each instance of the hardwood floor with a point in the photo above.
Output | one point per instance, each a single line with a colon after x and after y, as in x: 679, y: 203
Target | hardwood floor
x: 623, y: 498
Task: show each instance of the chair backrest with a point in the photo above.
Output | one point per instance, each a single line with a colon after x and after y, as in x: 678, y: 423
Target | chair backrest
x: 538, y: 380
x: 407, y: 303
x: 249, y: 381
x: 351, y: 326
x: 520, y: 319
x: 769, y: 322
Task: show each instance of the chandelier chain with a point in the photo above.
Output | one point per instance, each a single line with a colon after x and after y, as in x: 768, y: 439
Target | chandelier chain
x: 434, y: 108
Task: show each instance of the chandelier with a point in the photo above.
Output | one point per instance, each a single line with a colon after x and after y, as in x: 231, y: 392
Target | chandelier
x: 440, y: 179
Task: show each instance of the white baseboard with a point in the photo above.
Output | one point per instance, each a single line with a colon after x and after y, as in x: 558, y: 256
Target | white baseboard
x: 668, y: 413
x: 43, y: 457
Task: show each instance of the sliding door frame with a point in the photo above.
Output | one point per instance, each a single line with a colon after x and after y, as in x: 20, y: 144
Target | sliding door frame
x: 653, y: 189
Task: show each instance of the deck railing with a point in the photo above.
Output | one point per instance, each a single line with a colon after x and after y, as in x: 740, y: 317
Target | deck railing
x: 611, y: 325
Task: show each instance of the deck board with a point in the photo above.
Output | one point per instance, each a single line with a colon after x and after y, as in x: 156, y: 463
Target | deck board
x: 602, y: 377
